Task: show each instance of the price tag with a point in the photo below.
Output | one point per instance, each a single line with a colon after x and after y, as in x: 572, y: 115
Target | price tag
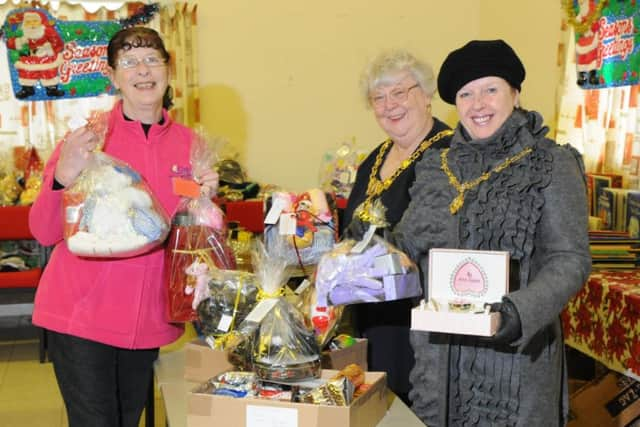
x: 261, y: 310
x: 302, y: 286
x: 287, y: 225
x: 274, y: 213
x: 225, y: 323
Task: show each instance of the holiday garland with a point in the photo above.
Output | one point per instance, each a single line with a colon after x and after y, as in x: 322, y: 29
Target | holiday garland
x: 582, y: 26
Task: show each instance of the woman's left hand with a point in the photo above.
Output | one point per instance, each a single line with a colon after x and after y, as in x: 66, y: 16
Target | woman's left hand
x: 208, y: 183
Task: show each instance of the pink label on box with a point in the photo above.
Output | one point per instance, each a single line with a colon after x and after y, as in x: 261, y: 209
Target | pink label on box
x: 468, y: 278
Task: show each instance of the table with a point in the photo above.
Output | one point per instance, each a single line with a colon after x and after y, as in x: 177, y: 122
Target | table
x: 603, y: 320
x: 169, y: 370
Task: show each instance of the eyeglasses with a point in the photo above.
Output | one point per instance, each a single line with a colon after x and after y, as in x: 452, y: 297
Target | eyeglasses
x: 129, y: 62
x: 396, y: 95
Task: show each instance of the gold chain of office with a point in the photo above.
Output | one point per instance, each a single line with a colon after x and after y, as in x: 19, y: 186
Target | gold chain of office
x: 458, y: 201
x: 376, y: 187
x: 582, y: 26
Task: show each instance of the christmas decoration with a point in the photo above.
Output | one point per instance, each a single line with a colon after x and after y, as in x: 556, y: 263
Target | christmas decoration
x: 606, y: 35
x: 53, y: 59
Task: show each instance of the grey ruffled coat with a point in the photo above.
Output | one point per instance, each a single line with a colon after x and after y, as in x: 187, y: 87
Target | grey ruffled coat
x: 537, y: 210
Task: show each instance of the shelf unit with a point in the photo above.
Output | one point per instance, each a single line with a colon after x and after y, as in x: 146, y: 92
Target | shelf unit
x: 14, y: 225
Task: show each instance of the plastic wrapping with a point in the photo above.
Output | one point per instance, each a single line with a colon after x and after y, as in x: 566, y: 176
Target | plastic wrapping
x: 197, y: 245
x: 373, y: 272
x: 338, y: 169
x: 310, y: 229
x: 231, y: 297
x: 109, y: 210
x: 274, y: 340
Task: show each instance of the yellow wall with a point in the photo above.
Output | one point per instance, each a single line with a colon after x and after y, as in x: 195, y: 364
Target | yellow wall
x: 279, y: 80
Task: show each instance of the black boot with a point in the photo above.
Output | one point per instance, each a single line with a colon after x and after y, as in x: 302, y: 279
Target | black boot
x: 593, y: 77
x: 25, y: 92
x: 582, y: 78
x: 54, y: 91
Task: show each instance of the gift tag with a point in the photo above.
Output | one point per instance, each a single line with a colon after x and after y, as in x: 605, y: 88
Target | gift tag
x: 359, y: 247
x: 225, y: 323
x: 261, y: 310
x: 287, y: 224
x: 274, y: 213
x: 302, y: 286
x: 72, y: 214
x: 185, y: 187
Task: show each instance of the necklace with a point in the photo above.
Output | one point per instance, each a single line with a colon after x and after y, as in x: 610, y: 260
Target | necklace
x: 458, y: 201
x: 375, y: 187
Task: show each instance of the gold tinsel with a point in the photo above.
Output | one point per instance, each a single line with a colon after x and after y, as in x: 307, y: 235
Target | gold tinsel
x: 582, y: 26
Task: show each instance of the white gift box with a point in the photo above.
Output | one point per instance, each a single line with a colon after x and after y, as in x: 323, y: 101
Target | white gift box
x: 460, y: 283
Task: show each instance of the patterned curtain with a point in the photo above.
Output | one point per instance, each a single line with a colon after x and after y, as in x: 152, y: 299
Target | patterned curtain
x: 600, y: 123
x: 41, y: 124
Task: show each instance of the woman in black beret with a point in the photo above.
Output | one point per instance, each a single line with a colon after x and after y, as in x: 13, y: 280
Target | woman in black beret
x: 501, y: 186
x: 398, y: 88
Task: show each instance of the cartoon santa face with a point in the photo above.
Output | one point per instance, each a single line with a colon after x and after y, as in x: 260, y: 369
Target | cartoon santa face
x: 32, y: 26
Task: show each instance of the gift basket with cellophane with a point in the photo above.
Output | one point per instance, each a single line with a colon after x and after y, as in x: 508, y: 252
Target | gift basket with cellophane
x: 366, y: 271
x: 109, y: 210
x: 232, y: 294
x: 273, y: 340
x: 301, y: 227
x: 197, y: 244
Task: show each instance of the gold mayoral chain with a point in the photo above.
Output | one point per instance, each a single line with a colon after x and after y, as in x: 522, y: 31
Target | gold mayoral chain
x: 377, y: 187
x: 458, y: 201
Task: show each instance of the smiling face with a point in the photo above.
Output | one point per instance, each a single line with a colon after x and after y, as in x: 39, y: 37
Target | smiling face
x: 484, y: 104
x: 402, y: 109
x: 142, y: 76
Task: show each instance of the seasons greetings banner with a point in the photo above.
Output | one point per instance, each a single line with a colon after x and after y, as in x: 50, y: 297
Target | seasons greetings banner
x: 53, y: 59
x: 607, y: 42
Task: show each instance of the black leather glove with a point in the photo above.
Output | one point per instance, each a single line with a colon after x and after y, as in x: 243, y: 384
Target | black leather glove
x: 356, y: 229
x: 510, y: 327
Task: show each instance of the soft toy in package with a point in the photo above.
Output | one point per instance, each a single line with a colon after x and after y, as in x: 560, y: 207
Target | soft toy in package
x: 301, y: 227
x: 371, y: 270
x: 197, y: 244
x: 109, y: 210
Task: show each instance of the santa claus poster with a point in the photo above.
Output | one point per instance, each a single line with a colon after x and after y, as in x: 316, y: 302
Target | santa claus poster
x: 52, y: 59
x: 607, y: 42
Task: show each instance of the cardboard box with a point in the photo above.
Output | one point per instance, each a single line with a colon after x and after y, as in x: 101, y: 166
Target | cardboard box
x: 424, y: 319
x: 338, y: 359
x: 205, y: 410
x: 613, y: 400
x: 466, y: 279
x: 201, y: 362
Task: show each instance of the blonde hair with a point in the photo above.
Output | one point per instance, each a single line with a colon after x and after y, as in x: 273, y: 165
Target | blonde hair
x: 383, y: 70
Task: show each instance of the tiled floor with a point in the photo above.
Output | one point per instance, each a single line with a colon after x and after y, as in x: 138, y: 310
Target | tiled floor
x: 29, y: 395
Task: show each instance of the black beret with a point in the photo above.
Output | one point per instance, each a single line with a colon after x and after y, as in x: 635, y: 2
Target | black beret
x: 477, y: 59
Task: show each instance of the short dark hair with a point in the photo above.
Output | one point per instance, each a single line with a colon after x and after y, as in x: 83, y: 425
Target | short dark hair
x: 129, y: 38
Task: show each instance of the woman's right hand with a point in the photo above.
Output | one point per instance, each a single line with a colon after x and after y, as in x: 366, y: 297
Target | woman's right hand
x: 74, y: 155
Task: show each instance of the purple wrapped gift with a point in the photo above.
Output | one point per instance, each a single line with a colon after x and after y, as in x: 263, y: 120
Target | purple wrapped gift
x: 371, y: 276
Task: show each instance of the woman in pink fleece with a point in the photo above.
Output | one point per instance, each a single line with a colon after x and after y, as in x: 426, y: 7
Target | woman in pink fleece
x: 106, y: 317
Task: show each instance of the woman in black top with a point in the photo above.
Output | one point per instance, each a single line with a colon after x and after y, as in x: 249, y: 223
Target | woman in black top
x: 399, y: 89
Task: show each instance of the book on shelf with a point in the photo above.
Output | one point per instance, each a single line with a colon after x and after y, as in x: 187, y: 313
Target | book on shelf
x: 596, y: 182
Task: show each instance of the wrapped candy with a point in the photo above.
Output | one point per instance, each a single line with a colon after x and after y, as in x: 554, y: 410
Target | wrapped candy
x: 273, y: 340
x: 373, y: 272
x: 197, y: 242
x: 109, y: 209
x: 301, y: 227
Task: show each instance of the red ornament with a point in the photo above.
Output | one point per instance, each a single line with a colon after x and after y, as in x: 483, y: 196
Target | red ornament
x: 601, y: 80
x: 73, y: 91
x: 79, y: 31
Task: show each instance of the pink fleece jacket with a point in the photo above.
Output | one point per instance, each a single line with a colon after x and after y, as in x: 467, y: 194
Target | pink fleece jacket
x: 120, y: 302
